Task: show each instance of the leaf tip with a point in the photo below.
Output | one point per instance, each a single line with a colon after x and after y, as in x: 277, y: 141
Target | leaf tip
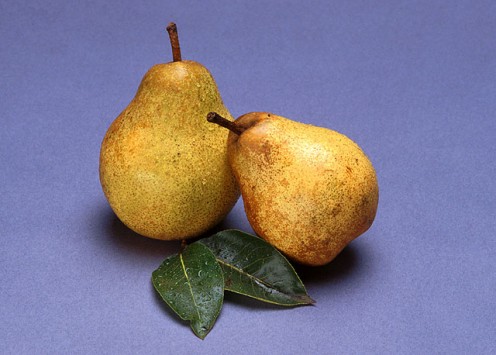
x: 201, y: 333
x: 306, y: 299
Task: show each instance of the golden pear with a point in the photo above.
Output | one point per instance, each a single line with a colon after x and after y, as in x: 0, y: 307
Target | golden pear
x: 307, y: 190
x: 163, y: 168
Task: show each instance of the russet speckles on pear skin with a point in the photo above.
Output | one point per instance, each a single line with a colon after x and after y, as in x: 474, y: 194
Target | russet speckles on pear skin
x: 163, y: 168
x: 307, y: 190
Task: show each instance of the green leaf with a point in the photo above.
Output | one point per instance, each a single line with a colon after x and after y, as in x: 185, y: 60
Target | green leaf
x: 192, y: 284
x: 254, y: 268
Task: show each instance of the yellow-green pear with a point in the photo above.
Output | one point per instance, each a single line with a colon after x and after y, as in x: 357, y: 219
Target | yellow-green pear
x: 307, y: 190
x: 163, y: 168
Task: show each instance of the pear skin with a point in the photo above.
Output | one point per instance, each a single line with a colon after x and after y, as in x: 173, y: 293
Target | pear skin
x: 307, y: 190
x: 163, y: 168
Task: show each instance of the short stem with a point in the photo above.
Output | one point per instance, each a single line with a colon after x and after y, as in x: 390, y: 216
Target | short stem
x: 183, y: 246
x: 214, y: 117
x: 174, y: 40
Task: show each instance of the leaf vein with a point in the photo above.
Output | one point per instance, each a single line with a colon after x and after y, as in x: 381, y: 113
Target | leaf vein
x: 241, y: 271
x: 189, y: 285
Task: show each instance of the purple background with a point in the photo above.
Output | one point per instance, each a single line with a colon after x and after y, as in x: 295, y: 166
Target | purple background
x: 412, y: 82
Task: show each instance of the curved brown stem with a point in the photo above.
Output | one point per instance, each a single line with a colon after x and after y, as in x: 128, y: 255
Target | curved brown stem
x: 214, y: 117
x: 174, y: 40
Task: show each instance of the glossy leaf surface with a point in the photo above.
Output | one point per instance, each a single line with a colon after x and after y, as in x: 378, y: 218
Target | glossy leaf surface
x: 254, y: 268
x: 192, y: 284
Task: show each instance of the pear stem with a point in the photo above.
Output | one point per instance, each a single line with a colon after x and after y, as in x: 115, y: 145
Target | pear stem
x: 214, y: 117
x: 174, y: 40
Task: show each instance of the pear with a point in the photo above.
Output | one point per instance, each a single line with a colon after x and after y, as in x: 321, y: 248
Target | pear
x: 307, y: 190
x: 163, y: 168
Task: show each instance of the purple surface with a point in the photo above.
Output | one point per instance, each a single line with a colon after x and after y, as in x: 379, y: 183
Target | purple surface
x: 413, y: 82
